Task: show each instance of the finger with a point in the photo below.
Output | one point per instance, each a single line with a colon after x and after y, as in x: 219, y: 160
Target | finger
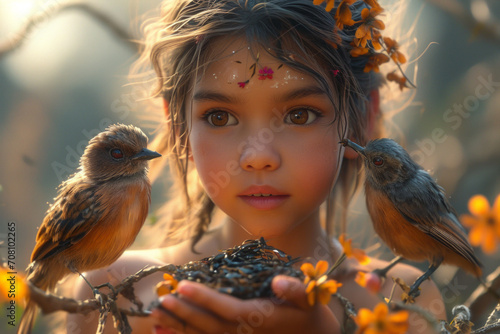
x: 291, y: 290
x: 167, y: 321
x: 224, y: 306
x: 191, y: 319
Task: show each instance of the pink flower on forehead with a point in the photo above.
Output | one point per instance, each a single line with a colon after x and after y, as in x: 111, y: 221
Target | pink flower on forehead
x: 265, y: 73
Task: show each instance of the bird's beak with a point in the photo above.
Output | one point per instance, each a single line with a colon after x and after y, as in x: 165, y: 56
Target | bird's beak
x: 146, y: 154
x: 359, y: 149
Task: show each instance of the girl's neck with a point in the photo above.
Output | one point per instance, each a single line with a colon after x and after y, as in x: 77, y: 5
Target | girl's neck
x: 306, y: 240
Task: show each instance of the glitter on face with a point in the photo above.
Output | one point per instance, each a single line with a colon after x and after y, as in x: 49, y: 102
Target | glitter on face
x: 288, y: 76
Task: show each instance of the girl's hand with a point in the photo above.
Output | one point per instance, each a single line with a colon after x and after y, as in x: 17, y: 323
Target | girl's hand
x: 200, y: 309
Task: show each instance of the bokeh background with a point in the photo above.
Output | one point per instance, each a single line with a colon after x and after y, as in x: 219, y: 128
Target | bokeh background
x: 68, y: 81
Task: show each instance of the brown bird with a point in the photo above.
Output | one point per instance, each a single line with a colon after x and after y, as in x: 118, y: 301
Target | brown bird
x: 410, y: 212
x: 97, y: 214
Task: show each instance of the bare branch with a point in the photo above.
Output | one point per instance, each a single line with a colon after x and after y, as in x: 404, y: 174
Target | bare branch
x: 50, y: 303
x: 494, y: 317
x: 480, y: 300
x: 488, y: 30
x: 48, y: 12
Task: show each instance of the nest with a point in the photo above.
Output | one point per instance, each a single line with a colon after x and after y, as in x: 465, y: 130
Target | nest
x: 244, y: 271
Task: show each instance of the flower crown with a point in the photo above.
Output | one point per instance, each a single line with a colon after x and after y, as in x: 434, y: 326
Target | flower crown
x: 368, y: 40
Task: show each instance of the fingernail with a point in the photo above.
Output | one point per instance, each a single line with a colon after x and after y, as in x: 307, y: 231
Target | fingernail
x: 185, y: 288
x: 160, y: 330
x: 166, y: 301
x: 282, y: 285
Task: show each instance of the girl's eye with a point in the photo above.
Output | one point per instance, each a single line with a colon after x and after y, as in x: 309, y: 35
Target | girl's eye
x: 116, y: 153
x: 301, y: 116
x: 220, y: 118
x: 378, y: 161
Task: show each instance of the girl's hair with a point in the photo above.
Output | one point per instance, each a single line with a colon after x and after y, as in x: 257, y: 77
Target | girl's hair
x: 297, y: 33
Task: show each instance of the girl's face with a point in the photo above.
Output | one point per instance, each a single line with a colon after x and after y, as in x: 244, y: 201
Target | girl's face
x: 265, y: 147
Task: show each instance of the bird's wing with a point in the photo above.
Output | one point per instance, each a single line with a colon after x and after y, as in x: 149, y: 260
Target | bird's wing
x: 424, y: 205
x: 74, y: 213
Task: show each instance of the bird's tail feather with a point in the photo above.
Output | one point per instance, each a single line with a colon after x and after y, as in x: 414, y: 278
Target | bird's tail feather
x: 28, y: 318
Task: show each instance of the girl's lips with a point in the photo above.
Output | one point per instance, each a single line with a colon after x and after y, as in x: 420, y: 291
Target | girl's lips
x: 265, y: 202
x: 253, y: 190
x: 262, y: 200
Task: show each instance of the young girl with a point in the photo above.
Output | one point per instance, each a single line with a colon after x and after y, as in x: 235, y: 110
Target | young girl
x: 257, y: 94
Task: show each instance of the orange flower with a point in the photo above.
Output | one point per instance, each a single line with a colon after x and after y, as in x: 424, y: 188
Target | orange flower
x: 314, y: 273
x: 319, y: 287
x: 484, y: 223
x: 343, y: 15
x: 400, y: 80
x: 167, y: 286
x: 392, y: 49
x: 329, y: 4
x: 375, y: 61
x: 357, y: 51
x: 370, y: 23
x: 372, y: 282
x: 376, y: 37
x: 381, y: 322
x: 321, y: 290
x: 356, y: 253
x: 12, y: 286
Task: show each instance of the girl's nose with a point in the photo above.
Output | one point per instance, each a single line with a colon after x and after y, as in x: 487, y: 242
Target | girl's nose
x: 256, y: 156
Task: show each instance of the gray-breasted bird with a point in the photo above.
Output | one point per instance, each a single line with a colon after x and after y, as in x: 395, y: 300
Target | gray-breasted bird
x: 97, y: 214
x: 410, y: 212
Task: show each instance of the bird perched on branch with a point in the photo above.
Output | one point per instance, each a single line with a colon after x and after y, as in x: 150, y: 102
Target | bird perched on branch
x: 97, y: 214
x: 410, y: 212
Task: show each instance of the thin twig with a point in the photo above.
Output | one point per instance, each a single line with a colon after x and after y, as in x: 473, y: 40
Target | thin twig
x: 494, y: 317
x: 480, y: 300
x: 146, y: 271
x: 350, y: 313
x: 49, y: 12
x: 495, y: 328
x: 488, y: 30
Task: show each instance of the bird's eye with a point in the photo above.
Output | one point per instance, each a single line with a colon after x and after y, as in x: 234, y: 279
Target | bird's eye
x: 116, y: 153
x: 378, y: 161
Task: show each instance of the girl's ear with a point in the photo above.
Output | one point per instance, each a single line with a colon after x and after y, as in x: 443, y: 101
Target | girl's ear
x: 372, y: 122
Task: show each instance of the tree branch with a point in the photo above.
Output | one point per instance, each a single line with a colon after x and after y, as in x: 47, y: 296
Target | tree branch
x: 488, y: 30
x: 48, y: 12
x: 50, y: 303
x: 480, y: 300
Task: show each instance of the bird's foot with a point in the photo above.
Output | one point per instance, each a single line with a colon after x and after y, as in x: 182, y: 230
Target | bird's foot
x: 382, y: 272
x: 414, y: 292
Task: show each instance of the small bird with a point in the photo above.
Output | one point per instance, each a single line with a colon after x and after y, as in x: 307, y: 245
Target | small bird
x: 97, y: 213
x: 410, y: 212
